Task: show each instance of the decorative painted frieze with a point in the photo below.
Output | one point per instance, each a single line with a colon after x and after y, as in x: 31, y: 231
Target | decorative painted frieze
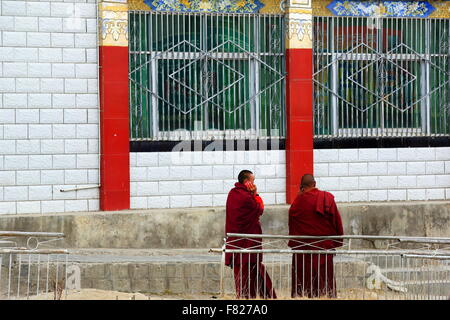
x: 232, y: 6
x: 298, y: 24
x: 299, y: 32
x: 114, y: 23
x: 260, y: 6
x: 272, y: 7
x: 305, y: 4
x: 418, y: 9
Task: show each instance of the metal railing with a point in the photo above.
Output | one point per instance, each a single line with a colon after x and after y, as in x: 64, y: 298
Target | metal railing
x: 376, y: 77
x: 206, y: 76
x: 29, y: 269
x: 337, y: 267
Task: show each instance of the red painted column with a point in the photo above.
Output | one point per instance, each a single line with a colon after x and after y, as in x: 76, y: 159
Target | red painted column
x: 114, y: 124
x: 114, y: 129
x: 299, y: 109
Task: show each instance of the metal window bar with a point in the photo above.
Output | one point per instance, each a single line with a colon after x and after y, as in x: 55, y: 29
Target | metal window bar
x: 412, y: 268
x: 205, y: 76
x: 381, y: 77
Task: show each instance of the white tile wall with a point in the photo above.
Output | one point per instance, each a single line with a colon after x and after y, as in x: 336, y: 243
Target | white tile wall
x: 48, y: 106
x: 199, y: 179
x: 394, y: 174
x: 49, y: 134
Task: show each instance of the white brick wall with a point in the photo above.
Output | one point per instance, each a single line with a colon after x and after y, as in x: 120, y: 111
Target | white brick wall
x: 397, y: 174
x: 199, y: 179
x: 48, y: 106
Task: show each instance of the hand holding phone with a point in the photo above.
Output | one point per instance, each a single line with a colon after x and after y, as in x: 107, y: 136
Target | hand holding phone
x: 250, y: 187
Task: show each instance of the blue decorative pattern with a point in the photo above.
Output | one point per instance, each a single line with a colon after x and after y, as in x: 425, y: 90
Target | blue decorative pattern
x: 235, y: 6
x: 419, y: 9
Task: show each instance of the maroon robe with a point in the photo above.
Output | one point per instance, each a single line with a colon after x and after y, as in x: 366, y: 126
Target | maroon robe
x: 243, y: 210
x: 314, y: 213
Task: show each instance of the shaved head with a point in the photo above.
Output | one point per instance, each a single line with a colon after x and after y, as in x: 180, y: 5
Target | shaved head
x: 245, y: 175
x: 308, y: 181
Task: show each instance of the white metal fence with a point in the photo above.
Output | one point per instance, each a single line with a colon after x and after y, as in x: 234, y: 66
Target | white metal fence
x: 397, y: 268
x: 31, y: 270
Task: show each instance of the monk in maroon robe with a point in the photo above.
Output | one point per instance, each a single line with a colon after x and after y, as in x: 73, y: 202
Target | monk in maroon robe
x: 313, y: 213
x: 243, y: 209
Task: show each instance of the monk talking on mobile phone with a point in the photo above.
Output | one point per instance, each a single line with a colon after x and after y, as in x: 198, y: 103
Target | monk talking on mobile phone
x: 243, y: 209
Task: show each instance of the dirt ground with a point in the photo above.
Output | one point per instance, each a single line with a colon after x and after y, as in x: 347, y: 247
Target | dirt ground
x: 94, y: 294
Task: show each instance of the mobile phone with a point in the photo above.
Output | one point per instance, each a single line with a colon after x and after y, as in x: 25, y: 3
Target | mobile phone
x: 249, y: 185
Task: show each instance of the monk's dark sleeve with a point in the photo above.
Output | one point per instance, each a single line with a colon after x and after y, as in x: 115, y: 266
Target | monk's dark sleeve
x: 255, y: 204
x: 249, y: 211
x: 337, y: 220
x: 292, y: 223
x: 292, y: 211
x: 259, y: 204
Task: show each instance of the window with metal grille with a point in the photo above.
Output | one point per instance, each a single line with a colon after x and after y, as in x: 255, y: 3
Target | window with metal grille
x: 206, y: 76
x: 381, y: 77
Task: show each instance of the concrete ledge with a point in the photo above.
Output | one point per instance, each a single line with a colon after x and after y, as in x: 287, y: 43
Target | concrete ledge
x: 204, y: 227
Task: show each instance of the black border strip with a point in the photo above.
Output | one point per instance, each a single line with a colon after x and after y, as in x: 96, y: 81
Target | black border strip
x: 385, y: 142
x: 215, y: 145
x: 247, y: 145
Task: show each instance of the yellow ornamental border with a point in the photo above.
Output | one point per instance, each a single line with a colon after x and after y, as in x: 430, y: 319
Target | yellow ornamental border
x: 138, y: 5
x: 319, y: 8
x: 295, y: 10
x: 299, y: 31
x: 113, y: 26
x: 270, y: 6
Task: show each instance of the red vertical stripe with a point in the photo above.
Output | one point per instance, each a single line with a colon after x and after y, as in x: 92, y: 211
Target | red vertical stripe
x: 114, y: 129
x: 299, y: 108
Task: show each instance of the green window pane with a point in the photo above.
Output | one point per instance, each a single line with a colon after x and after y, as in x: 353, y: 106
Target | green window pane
x: 383, y: 76
x: 206, y: 73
